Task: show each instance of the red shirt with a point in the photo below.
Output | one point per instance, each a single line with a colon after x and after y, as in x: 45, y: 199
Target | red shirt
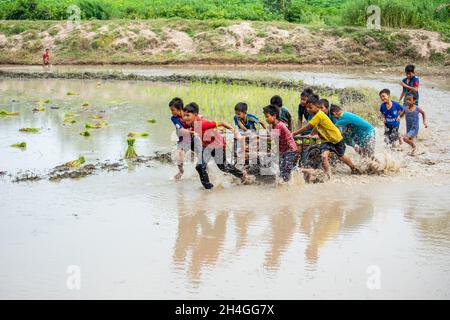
x: 205, y: 129
x: 46, y: 56
x: 285, y: 139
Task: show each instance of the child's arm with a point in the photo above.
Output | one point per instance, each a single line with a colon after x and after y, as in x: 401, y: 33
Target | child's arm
x: 241, y: 126
x: 307, y: 127
x: 229, y: 127
x: 262, y: 125
x: 425, y: 122
x: 415, y: 89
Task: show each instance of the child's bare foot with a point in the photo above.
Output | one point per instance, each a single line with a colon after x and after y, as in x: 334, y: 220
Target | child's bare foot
x: 356, y: 170
x: 178, y: 176
x: 413, y: 151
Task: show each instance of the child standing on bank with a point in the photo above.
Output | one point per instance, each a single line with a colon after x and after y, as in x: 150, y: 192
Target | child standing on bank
x: 411, y: 113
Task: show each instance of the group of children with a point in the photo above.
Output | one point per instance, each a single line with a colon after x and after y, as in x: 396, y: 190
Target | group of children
x: 316, y: 118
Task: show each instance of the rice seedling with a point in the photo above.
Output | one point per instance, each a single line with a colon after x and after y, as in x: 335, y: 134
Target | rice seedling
x: 151, y: 121
x: 85, y: 133
x: 75, y: 163
x: 97, y: 125
x: 85, y: 104
x: 130, y: 152
x: 29, y: 130
x: 46, y: 101
x: 4, y: 112
x: 70, y: 115
x: 96, y: 117
x: 70, y: 93
x: 21, y: 145
x: 70, y: 121
x: 38, y: 109
x: 138, y: 134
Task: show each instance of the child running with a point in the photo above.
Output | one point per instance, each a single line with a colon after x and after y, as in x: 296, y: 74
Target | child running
x: 329, y: 132
x: 245, y: 121
x: 213, y: 145
x: 184, y: 139
x: 410, y: 84
x: 362, y: 136
x: 390, y: 113
x: 286, y: 144
x: 411, y: 113
x: 284, y: 114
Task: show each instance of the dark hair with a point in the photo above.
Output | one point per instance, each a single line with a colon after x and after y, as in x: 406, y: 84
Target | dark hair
x: 307, y: 92
x: 191, y: 108
x: 276, y: 101
x: 177, y: 103
x: 313, y: 99
x: 387, y: 91
x: 410, y: 68
x: 334, y: 108
x: 412, y: 94
x: 324, y: 102
x: 272, y: 110
x: 241, y: 107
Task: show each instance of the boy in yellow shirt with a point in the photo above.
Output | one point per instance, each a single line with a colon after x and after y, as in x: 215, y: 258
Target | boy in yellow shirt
x: 329, y: 132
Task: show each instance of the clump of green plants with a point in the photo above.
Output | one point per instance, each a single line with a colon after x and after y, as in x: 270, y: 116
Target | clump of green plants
x: 70, y: 93
x: 4, y: 112
x: 21, y: 145
x: 138, y: 134
x: 151, y: 121
x: 97, y: 125
x: 85, y: 133
x: 130, y: 152
x: 38, y: 109
x: 75, y: 163
x: 29, y: 130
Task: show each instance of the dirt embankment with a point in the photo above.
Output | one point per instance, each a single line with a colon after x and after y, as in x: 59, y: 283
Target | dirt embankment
x: 182, y: 41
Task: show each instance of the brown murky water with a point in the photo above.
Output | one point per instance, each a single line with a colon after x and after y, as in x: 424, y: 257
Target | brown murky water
x: 139, y: 234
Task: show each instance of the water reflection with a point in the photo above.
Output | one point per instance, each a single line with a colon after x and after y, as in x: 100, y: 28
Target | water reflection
x: 203, y: 238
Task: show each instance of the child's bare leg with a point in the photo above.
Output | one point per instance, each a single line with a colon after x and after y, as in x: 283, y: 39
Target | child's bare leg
x: 410, y: 141
x: 349, y: 163
x: 325, y: 162
x: 180, y: 165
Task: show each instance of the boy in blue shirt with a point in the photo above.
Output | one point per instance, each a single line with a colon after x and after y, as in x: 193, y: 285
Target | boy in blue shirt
x: 362, y: 136
x: 390, y: 113
x: 410, y: 84
x: 245, y: 121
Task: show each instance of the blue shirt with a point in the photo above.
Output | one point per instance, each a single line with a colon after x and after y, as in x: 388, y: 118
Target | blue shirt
x: 333, y: 119
x: 414, y: 82
x: 391, y: 114
x: 357, y: 125
x: 250, y: 121
x: 179, y: 124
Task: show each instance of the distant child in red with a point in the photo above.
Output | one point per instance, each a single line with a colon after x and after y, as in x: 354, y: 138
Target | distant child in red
x: 213, y: 145
x: 46, y: 58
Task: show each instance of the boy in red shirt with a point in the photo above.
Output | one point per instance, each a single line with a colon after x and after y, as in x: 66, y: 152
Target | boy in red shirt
x: 213, y: 145
x: 286, y: 144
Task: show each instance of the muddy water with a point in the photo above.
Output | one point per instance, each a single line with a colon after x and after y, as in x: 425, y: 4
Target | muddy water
x: 138, y: 234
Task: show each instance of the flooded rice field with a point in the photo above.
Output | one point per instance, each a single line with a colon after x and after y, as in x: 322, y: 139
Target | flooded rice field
x: 130, y: 231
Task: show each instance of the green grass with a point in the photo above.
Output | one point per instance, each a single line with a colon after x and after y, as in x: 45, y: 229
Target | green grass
x: 429, y: 14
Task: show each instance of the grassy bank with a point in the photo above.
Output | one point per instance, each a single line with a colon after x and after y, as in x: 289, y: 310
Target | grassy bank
x: 164, y: 41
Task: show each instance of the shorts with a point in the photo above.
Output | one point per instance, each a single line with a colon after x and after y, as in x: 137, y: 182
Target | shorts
x: 337, y: 148
x: 412, y: 132
x: 391, y: 135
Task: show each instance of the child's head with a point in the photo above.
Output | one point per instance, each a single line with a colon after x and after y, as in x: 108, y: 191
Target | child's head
x: 410, y: 71
x: 324, y: 105
x: 336, y: 111
x: 276, y: 101
x: 385, y: 95
x: 271, y: 112
x: 312, y: 105
x: 176, y: 107
x: 304, y: 96
x: 190, y: 113
x: 411, y: 98
x: 46, y: 49
x: 241, y: 110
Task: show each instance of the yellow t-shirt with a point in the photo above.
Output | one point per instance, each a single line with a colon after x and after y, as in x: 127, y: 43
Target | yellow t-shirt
x: 325, y: 127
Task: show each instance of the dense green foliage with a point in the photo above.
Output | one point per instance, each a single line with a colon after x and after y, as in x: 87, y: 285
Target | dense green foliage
x: 430, y: 14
